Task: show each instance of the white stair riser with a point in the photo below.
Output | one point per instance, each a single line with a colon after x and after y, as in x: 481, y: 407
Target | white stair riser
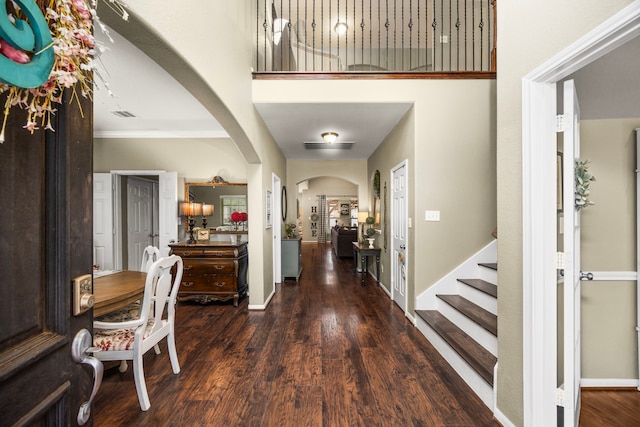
x: 471, y: 328
x: 466, y: 372
x: 488, y: 274
x: 484, y: 300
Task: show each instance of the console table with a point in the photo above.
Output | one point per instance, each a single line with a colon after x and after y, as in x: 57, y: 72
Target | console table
x: 213, y: 271
x: 365, y: 252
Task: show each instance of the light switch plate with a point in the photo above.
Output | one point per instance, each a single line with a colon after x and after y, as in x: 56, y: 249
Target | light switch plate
x: 432, y: 215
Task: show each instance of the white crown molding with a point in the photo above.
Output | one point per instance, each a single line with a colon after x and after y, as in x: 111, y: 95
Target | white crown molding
x: 160, y: 134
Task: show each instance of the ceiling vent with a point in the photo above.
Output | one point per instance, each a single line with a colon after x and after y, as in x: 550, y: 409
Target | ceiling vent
x: 344, y: 145
x: 122, y: 113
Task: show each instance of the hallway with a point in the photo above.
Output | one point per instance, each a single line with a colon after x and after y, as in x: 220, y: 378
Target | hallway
x: 325, y: 352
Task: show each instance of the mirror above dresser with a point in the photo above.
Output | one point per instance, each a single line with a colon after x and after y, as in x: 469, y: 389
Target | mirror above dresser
x: 226, y: 198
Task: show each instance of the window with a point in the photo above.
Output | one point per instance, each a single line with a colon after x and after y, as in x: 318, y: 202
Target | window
x: 232, y: 204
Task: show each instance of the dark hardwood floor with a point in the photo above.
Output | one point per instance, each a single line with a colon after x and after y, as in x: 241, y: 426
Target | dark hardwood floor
x: 325, y: 352
x: 610, y: 408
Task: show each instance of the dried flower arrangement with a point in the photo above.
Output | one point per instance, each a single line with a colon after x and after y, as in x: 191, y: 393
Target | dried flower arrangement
x: 70, y: 23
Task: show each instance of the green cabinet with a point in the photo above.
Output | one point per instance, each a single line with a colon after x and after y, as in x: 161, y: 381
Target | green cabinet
x: 291, y: 258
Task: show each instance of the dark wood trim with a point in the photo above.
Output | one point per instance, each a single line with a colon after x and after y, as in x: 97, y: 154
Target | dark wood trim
x: 317, y: 75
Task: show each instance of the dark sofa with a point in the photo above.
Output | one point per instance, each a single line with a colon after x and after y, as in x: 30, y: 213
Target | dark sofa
x: 341, y: 240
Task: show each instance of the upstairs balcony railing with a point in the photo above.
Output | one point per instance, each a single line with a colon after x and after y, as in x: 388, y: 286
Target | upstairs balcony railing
x: 375, y: 36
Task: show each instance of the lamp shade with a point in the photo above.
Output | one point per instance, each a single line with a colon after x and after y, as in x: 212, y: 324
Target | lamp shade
x: 362, y: 216
x: 207, y: 210
x: 190, y: 209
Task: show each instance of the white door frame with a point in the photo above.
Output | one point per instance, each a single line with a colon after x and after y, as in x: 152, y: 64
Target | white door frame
x: 539, y: 207
x: 276, y: 220
x: 117, y: 207
x: 392, y: 219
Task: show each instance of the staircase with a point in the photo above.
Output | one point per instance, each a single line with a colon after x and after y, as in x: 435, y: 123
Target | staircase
x: 458, y: 315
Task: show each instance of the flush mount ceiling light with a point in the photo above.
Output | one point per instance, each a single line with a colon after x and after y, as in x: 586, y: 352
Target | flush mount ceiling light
x: 340, y: 27
x: 329, y: 137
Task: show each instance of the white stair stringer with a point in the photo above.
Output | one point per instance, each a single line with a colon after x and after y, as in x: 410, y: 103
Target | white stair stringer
x: 449, y: 285
x: 469, y: 269
x: 482, y: 389
x: 471, y: 328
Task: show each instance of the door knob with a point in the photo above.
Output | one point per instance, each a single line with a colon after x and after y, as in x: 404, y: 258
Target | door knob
x: 586, y: 276
x: 80, y: 349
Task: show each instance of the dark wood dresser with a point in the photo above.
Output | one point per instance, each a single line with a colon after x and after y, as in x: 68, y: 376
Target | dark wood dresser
x: 213, y: 271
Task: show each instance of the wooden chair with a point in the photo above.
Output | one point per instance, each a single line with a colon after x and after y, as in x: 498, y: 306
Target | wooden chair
x: 130, y: 340
x: 150, y: 255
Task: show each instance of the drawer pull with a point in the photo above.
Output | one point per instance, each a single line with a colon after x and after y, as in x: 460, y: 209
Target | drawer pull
x: 187, y: 284
x: 218, y: 253
x: 219, y: 267
x: 221, y: 284
x: 187, y: 267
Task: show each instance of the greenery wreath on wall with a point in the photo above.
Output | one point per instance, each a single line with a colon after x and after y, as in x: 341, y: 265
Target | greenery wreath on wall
x: 583, y: 180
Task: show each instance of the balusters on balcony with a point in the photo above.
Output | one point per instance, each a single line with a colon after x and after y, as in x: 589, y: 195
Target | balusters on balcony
x: 380, y: 36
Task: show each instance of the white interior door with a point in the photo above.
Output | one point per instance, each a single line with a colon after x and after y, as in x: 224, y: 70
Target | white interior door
x: 103, y: 221
x: 168, y: 211
x: 572, y: 275
x: 140, y: 206
x: 277, y: 228
x: 399, y: 226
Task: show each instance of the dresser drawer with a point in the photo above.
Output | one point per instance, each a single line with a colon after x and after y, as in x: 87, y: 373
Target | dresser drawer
x: 209, y: 266
x: 208, y: 284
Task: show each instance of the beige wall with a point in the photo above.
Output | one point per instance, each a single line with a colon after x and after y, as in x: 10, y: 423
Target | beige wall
x: 450, y: 148
x: 398, y: 146
x: 529, y: 35
x: 216, y: 69
x: 193, y: 159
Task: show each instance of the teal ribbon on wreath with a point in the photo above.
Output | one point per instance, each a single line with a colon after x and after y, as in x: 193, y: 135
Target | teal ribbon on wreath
x: 30, y: 36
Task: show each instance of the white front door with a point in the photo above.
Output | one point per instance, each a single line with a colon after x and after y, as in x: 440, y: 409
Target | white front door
x: 140, y: 205
x: 572, y: 274
x: 399, y: 216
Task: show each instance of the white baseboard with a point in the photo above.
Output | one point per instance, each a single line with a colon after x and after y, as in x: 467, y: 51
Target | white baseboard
x: 502, y: 419
x: 266, y: 303
x: 608, y: 382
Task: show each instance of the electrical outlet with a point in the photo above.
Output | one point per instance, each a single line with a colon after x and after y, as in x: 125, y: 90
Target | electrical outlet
x: 381, y: 268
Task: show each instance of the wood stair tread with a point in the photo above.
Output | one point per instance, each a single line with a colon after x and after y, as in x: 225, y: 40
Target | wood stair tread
x: 482, y: 285
x: 481, y: 360
x: 482, y: 317
x: 491, y: 265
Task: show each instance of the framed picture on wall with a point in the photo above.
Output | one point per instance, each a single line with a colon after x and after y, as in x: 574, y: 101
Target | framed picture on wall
x: 268, y: 215
x: 344, y: 209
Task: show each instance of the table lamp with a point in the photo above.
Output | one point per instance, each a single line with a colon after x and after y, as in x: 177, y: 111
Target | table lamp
x: 207, y: 210
x: 190, y: 209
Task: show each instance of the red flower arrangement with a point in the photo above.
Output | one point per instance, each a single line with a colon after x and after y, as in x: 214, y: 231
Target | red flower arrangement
x: 237, y: 217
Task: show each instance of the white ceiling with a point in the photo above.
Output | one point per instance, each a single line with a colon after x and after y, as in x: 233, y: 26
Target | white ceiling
x: 164, y: 109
